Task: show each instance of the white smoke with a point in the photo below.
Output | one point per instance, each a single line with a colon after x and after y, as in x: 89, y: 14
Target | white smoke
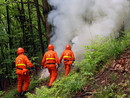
x: 76, y: 22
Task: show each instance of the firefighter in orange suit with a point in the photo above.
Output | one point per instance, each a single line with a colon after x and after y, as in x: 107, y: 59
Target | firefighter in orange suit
x: 49, y: 61
x: 21, y: 63
x: 68, y: 57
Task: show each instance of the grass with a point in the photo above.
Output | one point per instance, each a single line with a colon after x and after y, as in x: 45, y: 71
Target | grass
x: 2, y: 92
x: 96, y: 54
x: 13, y: 92
x: 10, y: 93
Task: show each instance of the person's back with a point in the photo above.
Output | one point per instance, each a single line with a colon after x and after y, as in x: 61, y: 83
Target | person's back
x: 51, y: 57
x: 21, y: 63
x: 68, y: 58
x: 49, y: 61
x: 68, y: 55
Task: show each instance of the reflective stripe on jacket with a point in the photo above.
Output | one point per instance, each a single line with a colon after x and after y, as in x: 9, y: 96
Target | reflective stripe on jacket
x: 20, y: 65
x: 21, y: 61
x: 67, y: 57
x: 50, y: 58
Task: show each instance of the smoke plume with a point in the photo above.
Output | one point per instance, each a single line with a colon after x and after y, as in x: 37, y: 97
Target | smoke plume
x: 76, y: 22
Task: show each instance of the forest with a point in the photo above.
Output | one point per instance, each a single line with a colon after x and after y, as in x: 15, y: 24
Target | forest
x: 24, y: 23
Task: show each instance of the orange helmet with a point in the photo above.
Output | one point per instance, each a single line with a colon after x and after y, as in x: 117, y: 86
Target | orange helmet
x: 50, y: 47
x: 68, y: 47
x: 20, y: 50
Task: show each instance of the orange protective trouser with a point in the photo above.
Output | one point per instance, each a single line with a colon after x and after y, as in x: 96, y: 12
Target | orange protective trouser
x: 53, y: 74
x: 67, y: 67
x: 26, y: 80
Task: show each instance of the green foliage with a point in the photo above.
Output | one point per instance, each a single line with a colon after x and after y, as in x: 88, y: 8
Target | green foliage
x: 111, y: 91
x: 13, y: 74
x: 34, y: 83
x: 2, y: 92
x: 26, y: 37
x: 10, y: 94
x: 113, y: 77
x: 62, y: 87
x: 108, y: 92
x: 96, y: 54
x: 99, y: 52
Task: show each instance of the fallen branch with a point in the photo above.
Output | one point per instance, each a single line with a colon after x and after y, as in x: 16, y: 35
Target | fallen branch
x: 93, y: 92
x: 88, y: 93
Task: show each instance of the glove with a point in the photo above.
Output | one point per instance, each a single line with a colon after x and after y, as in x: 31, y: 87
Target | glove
x: 32, y: 68
x: 42, y: 67
x: 58, y: 67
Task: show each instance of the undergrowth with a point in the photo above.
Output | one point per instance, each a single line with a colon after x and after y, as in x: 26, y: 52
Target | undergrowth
x: 97, y: 53
x: 13, y: 92
x: 111, y: 91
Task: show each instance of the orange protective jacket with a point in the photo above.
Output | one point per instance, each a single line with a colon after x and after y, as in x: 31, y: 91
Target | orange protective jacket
x: 50, y: 58
x: 67, y: 55
x: 21, y: 62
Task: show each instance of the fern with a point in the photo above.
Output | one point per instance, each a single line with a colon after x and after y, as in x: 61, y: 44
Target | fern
x: 96, y: 54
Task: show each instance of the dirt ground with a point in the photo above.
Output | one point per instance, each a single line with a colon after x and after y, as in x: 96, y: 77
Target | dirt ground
x: 117, y: 72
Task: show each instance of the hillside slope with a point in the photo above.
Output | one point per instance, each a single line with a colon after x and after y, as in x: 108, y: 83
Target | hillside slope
x: 112, y: 81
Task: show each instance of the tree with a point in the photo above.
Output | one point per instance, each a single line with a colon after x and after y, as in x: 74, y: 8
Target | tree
x: 45, y: 13
x: 23, y: 23
x: 39, y: 26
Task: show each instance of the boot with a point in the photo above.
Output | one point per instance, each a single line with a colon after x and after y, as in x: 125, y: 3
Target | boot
x: 23, y: 93
x: 49, y: 87
x: 20, y: 95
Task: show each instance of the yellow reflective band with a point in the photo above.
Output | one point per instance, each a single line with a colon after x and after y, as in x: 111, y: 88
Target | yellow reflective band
x: 66, y: 56
x: 20, y: 64
x: 50, y: 58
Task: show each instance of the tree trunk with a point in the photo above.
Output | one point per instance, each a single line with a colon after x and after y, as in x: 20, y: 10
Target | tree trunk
x: 8, y: 31
x: 39, y: 26
x: 22, y: 20
x: 31, y: 29
x: 8, y: 27
x: 121, y: 32
x: 2, y: 54
x: 45, y: 13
